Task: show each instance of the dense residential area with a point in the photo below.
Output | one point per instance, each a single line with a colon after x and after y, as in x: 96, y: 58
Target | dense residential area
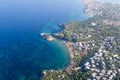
x: 94, y: 44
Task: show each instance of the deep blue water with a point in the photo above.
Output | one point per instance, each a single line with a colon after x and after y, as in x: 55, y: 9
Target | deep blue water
x: 23, y: 53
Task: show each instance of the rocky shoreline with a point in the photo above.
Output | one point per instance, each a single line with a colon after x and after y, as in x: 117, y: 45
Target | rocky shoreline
x: 46, y: 36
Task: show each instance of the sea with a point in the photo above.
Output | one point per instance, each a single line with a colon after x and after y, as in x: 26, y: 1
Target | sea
x: 23, y: 53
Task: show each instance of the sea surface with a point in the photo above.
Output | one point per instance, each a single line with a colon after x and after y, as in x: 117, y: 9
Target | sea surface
x: 23, y: 53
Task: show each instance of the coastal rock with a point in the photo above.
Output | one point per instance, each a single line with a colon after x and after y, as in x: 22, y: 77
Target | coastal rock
x: 47, y: 36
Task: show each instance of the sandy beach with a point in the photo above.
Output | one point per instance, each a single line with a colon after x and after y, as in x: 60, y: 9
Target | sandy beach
x: 71, y: 55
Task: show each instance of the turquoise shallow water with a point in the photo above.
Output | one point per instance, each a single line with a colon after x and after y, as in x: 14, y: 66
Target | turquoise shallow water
x: 23, y: 53
x: 29, y: 56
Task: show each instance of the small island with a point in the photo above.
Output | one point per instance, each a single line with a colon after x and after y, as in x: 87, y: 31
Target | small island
x: 47, y: 36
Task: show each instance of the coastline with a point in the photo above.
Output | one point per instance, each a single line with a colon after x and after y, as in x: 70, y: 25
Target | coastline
x: 68, y: 46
